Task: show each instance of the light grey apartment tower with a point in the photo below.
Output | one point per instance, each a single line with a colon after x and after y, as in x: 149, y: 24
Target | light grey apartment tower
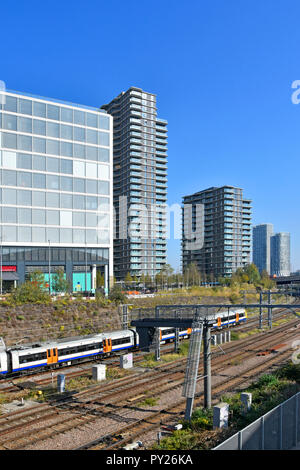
x: 216, y: 231
x: 140, y: 184
x: 262, y: 247
x: 280, y: 254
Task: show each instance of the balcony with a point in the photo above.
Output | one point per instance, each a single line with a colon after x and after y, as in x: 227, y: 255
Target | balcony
x: 134, y: 120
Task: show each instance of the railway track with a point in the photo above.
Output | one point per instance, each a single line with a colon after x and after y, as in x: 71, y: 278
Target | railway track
x: 85, y: 407
x: 13, y: 385
x: 155, y: 420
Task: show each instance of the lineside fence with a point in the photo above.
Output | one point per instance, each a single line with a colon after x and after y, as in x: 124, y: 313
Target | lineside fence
x: 279, y: 429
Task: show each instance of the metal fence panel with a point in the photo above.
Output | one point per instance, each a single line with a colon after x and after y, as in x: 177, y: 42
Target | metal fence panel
x: 297, y: 413
x: 231, y: 444
x: 277, y: 429
x: 272, y: 430
x: 251, y: 437
x: 288, y: 424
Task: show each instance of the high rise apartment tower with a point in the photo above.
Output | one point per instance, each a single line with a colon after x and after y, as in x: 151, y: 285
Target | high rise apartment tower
x: 216, y: 231
x: 140, y: 184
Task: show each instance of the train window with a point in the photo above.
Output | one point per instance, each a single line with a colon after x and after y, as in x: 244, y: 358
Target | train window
x: 82, y: 348
x: 32, y: 358
x: 87, y: 347
x: 120, y: 341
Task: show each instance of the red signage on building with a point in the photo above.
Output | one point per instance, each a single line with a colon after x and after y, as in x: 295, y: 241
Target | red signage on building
x: 9, y: 268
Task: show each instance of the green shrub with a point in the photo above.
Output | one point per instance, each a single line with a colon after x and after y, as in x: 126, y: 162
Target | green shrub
x: 201, y: 419
x: 290, y: 372
x: 117, y: 296
x: 183, y: 439
x: 29, y: 292
x: 150, y: 401
x: 101, y: 300
x: 266, y: 380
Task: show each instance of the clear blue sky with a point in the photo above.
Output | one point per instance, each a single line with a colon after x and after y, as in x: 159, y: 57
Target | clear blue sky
x: 222, y: 72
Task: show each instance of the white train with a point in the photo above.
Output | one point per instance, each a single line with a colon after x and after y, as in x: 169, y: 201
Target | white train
x: 52, y: 354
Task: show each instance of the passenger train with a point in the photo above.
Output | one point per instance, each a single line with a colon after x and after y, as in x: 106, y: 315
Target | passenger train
x: 22, y: 358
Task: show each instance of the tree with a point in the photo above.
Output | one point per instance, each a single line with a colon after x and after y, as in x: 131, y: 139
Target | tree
x: 179, y: 279
x: 248, y: 274
x: 116, y: 295
x: 128, y: 279
x: 165, y: 273
x: 253, y: 274
x: 37, y: 278
x: 148, y: 280
x: 142, y: 279
x: 59, y: 282
x: 192, y: 275
x: 99, y: 279
x: 266, y: 282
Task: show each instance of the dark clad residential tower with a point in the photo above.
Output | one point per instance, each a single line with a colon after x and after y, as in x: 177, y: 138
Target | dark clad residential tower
x: 216, y: 231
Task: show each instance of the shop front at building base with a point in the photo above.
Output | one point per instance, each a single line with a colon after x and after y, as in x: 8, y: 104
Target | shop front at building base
x: 79, y: 266
x: 9, y: 277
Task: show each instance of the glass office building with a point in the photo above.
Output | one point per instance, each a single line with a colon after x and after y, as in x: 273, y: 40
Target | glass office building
x: 56, y: 189
x: 280, y: 254
x: 262, y: 247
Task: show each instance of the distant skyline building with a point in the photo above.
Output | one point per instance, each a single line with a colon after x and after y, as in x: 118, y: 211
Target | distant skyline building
x: 216, y: 228
x: 140, y: 184
x: 262, y: 246
x: 280, y: 254
x: 56, y: 190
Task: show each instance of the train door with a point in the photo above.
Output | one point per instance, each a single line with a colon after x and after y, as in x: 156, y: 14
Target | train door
x: 52, y: 356
x: 107, y: 345
x: 219, y: 322
x: 237, y: 318
x: 9, y: 361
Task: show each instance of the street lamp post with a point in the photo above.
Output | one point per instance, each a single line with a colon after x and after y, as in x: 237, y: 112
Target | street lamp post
x: 1, y: 268
x: 86, y: 269
x: 49, y: 268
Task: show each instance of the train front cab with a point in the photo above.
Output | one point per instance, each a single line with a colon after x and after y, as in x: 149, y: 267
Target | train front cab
x: 52, y: 356
x: 3, y: 363
x: 107, y: 346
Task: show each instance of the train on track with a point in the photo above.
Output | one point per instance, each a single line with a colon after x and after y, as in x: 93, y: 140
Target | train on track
x: 20, y: 359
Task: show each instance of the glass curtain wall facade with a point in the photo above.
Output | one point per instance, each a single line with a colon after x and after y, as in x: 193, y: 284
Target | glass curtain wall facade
x: 216, y: 231
x: 56, y: 186
x: 140, y: 184
x: 262, y: 247
x: 280, y: 254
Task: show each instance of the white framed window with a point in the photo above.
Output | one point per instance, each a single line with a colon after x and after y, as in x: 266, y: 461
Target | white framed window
x: 78, y: 168
x: 91, y: 170
x: 9, y: 159
x: 103, y: 172
x: 66, y: 218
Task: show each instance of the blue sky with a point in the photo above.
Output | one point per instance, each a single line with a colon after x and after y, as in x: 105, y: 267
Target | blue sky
x: 222, y: 72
